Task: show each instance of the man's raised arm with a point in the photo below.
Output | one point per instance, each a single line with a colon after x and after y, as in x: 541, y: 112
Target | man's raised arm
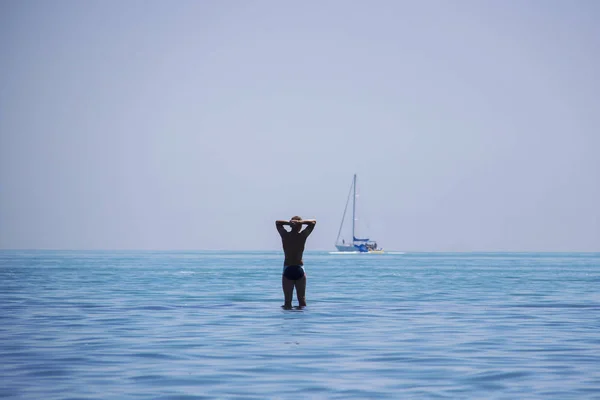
x: 310, y: 225
x: 279, y: 225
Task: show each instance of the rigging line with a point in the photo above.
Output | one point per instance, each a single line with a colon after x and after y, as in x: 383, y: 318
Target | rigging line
x: 344, y: 215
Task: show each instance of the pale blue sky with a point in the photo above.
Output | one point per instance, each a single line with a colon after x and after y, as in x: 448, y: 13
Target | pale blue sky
x: 473, y: 125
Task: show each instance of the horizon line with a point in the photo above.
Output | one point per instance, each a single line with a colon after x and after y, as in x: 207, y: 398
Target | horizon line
x: 306, y: 251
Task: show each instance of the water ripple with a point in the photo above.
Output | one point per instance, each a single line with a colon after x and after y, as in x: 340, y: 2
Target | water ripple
x: 200, y: 325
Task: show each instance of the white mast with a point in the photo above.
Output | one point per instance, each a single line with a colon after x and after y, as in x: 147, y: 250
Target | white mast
x: 353, y: 208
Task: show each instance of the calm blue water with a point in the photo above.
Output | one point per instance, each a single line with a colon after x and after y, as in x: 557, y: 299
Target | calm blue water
x: 193, y: 325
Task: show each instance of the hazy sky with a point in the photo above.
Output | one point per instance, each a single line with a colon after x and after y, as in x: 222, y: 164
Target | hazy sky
x: 472, y: 125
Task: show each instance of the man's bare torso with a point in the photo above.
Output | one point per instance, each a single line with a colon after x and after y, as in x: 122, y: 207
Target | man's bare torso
x: 293, y: 242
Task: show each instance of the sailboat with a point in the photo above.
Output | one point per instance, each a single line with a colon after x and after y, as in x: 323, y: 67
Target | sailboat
x: 356, y: 245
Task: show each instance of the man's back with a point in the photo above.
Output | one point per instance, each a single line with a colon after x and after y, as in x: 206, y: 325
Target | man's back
x: 293, y: 246
x: 294, y: 241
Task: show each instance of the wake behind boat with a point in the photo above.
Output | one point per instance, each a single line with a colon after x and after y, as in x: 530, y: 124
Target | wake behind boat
x: 356, y: 245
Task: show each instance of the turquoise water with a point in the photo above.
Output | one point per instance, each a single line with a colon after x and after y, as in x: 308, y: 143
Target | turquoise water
x: 193, y: 325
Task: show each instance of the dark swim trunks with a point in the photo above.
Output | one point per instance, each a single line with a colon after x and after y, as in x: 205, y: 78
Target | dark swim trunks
x: 293, y: 272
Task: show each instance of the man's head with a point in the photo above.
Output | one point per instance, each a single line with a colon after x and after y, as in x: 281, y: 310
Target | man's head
x: 295, y: 223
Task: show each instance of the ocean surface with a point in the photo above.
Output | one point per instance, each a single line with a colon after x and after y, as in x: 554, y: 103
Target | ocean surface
x: 204, y: 325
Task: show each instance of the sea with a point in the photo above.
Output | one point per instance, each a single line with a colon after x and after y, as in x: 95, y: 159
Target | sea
x: 209, y: 325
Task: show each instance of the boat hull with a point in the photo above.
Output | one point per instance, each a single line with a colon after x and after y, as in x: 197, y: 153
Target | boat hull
x: 348, y: 248
x: 352, y: 249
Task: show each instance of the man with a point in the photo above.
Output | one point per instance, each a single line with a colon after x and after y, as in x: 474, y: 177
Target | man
x: 293, y: 246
